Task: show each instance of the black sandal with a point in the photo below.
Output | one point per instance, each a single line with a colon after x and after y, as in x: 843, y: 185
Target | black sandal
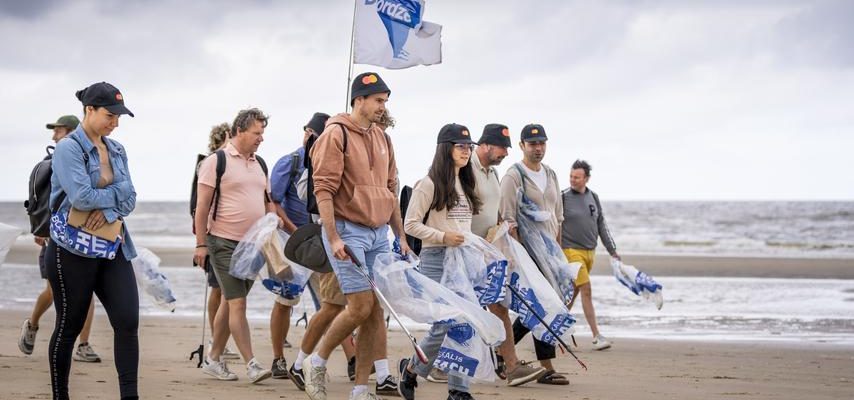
x: 553, y: 378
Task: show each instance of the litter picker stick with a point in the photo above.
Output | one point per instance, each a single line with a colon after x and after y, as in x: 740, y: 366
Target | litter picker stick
x: 418, y: 351
x: 563, y: 345
x: 201, y: 350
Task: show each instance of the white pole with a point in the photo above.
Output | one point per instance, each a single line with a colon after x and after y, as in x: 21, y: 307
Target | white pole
x: 350, y: 60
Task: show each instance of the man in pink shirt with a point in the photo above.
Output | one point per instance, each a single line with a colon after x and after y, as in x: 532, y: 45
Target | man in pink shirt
x: 226, y: 208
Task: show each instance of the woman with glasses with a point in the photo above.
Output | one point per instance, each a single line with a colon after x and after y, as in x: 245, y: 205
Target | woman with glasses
x: 439, y: 212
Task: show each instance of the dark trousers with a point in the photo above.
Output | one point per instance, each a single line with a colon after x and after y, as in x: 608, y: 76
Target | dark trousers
x: 74, y: 279
x: 544, y: 350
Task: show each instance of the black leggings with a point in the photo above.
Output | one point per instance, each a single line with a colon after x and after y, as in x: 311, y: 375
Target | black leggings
x: 544, y: 350
x: 74, y: 279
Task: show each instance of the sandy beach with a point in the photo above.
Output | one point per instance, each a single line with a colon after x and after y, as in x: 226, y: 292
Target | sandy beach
x: 637, y: 369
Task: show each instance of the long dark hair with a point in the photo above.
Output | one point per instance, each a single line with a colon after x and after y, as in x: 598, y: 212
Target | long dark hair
x: 444, y: 181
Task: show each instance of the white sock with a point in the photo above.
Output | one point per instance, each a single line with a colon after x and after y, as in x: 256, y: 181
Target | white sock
x: 382, y: 369
x: 359, y: 389
x: 298, y: 363
x: 250, y: 362
x: 316, y: 361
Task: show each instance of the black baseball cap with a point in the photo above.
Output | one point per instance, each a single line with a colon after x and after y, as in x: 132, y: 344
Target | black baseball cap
x: 495, y: 134
x: 366, y: 84
x: 317, y: 122
x: 105, y: 95
x: 454, y: 133
x: 534, y: 133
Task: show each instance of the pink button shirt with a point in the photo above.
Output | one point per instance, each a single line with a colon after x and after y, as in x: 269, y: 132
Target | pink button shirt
x: 241, y: 198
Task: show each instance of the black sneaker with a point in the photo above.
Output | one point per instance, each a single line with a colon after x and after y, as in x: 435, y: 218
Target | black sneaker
x: 408, y: 381
x: 351, y: 368
x: 297, y: 378
x: 457, y: 395
x: 279, y: 368
x: 388, y: 387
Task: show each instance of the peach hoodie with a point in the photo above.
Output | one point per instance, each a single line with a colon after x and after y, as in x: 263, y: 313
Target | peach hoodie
x: 361, y: 182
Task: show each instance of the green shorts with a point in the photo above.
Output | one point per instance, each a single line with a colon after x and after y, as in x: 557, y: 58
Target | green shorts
x: 220, y: 251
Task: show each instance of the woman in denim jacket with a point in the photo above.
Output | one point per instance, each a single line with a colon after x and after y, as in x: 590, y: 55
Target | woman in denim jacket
x: 90, y: 173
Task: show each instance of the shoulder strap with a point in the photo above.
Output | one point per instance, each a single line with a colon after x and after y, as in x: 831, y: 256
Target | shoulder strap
x: 522, y: 176
x: 295, y: 160
x: 596, y: 199
x: 220, y: 171
x: 62, y: 194
x: 343, y: 134
x: 264, y: 168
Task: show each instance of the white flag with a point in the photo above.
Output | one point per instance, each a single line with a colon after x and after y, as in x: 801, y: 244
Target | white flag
x: 391, y: 34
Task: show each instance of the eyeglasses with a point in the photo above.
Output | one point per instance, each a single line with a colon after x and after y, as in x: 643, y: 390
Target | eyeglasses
x: 464, y: 147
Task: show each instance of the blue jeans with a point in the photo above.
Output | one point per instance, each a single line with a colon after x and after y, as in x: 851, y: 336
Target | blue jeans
x: 432, y: 266
x: 366, y: 244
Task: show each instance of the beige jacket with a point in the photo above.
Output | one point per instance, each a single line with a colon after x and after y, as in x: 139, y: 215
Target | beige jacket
x: 432, y: 231
x: 550, y: 200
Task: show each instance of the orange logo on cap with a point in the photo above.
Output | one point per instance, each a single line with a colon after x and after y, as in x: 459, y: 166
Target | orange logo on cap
x: 119, y: 97
x: 369, y: 79
x: 505, y: 132
x: 535, y: 131
x: 465, y: 132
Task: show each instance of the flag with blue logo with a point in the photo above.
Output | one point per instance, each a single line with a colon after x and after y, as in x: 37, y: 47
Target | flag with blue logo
x: 391, y: 34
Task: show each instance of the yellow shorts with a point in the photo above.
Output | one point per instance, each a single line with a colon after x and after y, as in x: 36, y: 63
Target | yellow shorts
x: 585, y: 257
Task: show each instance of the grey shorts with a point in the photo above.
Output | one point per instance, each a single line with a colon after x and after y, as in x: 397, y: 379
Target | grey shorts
x: 219, y: 252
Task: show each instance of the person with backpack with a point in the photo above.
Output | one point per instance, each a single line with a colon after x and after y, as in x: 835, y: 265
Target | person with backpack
x: 217, y: 139
x: 39, y: 212
x: 90, y: 245
x: 491, y: 150
x: 292, y: 210
x: 584, y: 223
x: 233, y: 193
x: 354, y: 178
x: 540, y: 184
x: 439, y: 213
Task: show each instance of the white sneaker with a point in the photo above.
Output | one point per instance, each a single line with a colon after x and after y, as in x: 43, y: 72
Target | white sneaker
x: 366, y: 395
x: 315, y: 380
x: 218, y: 370
x: 600, y: 343
x: 256, y: 372
x: 85, y: 353
x: 28, y: 338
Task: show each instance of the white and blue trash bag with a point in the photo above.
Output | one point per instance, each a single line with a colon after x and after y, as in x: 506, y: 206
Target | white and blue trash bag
x: 8, y: 234
x: 638, y: 282
x: 524, y: 276
x: 473, y: 330
x: 146, y: 267
x: 544, y: 249
x: 483, y: 265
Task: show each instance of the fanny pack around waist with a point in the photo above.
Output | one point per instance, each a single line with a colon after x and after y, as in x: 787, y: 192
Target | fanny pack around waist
x: 68, y: 227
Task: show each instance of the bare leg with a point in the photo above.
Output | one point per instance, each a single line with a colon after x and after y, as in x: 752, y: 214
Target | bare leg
x: 587, y: 306
x: 221, y: 330
x: 279, y: 325
x: 507, y: 349
x: 43, y: 302
x: 240, y: 327
x: 362, y: 311
x: 213, y: 306
x: 318, y: 325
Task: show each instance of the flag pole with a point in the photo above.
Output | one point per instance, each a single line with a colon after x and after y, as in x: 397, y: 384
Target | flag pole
x: 350, y: 60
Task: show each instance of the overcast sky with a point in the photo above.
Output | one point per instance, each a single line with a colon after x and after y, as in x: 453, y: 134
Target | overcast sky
x: 736, y: 100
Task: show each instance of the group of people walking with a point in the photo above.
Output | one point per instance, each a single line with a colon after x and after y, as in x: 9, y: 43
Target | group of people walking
x: 344, y: 177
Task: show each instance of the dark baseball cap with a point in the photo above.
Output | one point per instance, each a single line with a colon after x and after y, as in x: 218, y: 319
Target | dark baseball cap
x: 67, y: 121
x: 305, y: 247
x: 317, y: 122
x: 495, y: 134
x: 105, y: 95
x: 454, y: 133
x: 366, y: 84
x: 534, y: 133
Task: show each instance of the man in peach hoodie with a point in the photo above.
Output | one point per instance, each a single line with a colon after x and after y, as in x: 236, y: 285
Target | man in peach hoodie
x: 354, y: 175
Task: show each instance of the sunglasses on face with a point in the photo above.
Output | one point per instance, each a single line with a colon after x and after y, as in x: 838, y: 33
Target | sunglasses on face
x: 464, y: 147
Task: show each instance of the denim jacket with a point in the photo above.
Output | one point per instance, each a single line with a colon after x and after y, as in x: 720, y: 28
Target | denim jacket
x: 79, y: 181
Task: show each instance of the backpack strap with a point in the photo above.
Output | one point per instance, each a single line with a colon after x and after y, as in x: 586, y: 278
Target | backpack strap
x: 343, y: 135
x: 295, y: 160
x: 264, y: 168
x: 522, y: 176
x: 62, y: 194
x: 220, y: 171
